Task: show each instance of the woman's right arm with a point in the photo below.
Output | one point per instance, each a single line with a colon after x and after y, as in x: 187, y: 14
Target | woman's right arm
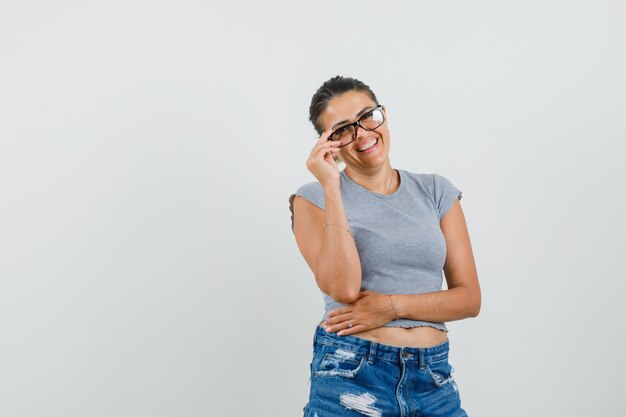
x: 329, y: 251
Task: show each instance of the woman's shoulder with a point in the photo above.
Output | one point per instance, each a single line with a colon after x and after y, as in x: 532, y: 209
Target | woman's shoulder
x: 433, y: 184
x: 313, y: 186
x: 311, y: 191
x: 425, y: 180
x: 440, y: 189
x: 428, y: 180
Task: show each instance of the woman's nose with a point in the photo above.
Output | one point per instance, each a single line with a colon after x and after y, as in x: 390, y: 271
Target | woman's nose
x: 359, y: 133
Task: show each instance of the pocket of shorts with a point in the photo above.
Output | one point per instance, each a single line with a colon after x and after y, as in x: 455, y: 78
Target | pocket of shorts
x: 334, y: 361
x: 441, y: 372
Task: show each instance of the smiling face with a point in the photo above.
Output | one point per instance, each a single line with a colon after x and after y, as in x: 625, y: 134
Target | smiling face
x: 371, y: 148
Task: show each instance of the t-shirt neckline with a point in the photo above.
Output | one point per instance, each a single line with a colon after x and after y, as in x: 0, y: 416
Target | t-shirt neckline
x: 365, y: 190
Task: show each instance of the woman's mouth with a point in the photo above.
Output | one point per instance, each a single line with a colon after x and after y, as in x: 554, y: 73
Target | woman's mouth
x: 368, y: 146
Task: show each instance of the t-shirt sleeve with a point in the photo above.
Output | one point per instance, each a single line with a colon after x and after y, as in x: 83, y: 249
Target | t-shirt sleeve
x: 445, y: 194
x: 312, y: 192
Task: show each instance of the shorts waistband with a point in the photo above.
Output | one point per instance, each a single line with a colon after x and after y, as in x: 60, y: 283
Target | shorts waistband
x: 380, y: 350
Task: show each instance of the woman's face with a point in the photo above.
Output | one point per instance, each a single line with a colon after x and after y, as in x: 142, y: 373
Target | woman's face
x: 346, y: 109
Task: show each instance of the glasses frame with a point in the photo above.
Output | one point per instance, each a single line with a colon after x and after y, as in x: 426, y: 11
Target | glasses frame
x: 358, y: 124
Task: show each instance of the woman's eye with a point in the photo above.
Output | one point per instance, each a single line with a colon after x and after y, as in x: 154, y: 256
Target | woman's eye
x: 342, y: 131
x: 368, y: 115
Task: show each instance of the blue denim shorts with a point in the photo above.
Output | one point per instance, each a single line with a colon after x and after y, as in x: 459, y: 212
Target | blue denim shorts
x: 355, y: 377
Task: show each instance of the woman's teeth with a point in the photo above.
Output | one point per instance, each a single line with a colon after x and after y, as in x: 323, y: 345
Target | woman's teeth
x: 367, y: 145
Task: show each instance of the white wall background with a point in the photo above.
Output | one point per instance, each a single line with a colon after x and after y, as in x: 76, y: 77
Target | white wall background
x: 148, y: 149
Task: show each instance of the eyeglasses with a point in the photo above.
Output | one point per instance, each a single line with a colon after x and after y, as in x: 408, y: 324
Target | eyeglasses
x: 371, y: 120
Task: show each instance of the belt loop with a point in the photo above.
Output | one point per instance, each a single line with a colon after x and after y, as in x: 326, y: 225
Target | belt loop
x: 421, y: 353
x: 372, y: 354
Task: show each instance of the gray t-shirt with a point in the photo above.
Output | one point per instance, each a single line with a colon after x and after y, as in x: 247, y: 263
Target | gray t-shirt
x: 400, y: 243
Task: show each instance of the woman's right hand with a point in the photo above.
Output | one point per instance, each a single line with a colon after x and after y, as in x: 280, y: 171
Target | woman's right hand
x: 321, y: 161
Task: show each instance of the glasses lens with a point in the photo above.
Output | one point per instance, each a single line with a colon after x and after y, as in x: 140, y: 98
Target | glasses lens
x: 344, y: 135
x: 373, y: 119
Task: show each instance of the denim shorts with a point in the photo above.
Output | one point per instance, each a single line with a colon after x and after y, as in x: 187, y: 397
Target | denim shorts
x: 355, y: 377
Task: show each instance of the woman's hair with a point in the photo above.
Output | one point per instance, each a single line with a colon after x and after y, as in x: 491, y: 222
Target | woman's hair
x: 332, y: 88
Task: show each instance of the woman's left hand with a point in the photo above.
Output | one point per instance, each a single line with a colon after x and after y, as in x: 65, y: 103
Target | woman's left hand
x: 369, y: 311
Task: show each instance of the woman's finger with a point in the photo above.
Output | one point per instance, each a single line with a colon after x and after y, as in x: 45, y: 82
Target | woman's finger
x: 343, y: 324
x: 323, y: 141
x: 326, y: 149
x: 340, y: 310
x: 324, y: 146
x: 324, y: 136
x: 352, y: 330
x: 323, y: 153
x: 338, y: 319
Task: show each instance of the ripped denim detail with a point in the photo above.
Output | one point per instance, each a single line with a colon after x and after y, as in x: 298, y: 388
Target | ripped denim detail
x: 363, y: 404
x: 342, y: 363
x: 441, y: 380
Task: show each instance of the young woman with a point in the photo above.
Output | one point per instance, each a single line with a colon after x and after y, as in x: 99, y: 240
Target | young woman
x: 377, y: 240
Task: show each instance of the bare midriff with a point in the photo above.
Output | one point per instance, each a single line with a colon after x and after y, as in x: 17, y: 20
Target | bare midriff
x: 423, y: 336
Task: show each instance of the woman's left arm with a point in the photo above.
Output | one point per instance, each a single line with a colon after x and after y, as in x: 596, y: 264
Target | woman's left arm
x: 461, y: 300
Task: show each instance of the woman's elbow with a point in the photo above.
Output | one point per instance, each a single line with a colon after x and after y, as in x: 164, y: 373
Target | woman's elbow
x: 345, y: 293
x: 475, y: 305
x: 475, y: 311
x: 340, y: 288
x: 345, y: 296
